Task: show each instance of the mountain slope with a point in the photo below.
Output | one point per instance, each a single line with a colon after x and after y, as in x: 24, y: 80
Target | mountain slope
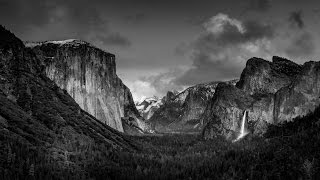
x: 88, y: 74
x: 37, y: 116
x: 271, y: 92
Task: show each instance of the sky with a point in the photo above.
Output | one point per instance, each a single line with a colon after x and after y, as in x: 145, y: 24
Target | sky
x: 165, y: 45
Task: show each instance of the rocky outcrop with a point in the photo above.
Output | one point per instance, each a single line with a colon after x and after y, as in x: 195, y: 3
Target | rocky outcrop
x: 224, y: 112
x: 36, y: 113
x: 261, y: 76
x: 182, y: 112
x: 301, y: 96
x: 271, y: 93
x: 88, y: 74
x: 148, y: 106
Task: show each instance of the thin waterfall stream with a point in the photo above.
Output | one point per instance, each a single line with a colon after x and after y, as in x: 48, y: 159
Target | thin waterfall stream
x: 243, y: 131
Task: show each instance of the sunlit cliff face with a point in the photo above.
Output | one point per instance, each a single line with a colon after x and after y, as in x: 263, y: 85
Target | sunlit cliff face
x: 89, y: 76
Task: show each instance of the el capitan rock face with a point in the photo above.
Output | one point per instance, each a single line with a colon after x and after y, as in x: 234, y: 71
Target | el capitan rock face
x: 271, y: 92
x: 36, y: 113
x: 181, y: 112
x: 88, y: 74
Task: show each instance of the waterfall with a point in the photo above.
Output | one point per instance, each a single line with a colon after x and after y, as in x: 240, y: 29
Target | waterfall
x: 243, y: 131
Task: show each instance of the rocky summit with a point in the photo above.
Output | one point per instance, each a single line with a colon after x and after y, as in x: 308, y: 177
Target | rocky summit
x: 88, y: 74
x: 271, y: 92
x: 181, y: 112
x: 261, y: 76
x: 148, y: 106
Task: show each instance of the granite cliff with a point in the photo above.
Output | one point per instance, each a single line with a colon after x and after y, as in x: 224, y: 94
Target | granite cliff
x: 88, y: 74
x: 271, y: 93
x: 41, y: 122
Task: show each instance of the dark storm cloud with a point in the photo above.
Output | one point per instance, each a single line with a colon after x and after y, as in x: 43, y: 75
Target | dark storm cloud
x: 18, y: 13
x: 316, y: 10
x: 296, y: 20
x: 58, y: 19
x: 135, y: 18
x: 219, y: 53
x: 205, y: 69
x: 301, y: 46
x: 182, y: 49
x: 259, y: 5
x: 115, y: 39
x: 40, y: 12
x: 232, y: 36
x: 163, y: 82
x: 215, y: 53
x: 301, y: 43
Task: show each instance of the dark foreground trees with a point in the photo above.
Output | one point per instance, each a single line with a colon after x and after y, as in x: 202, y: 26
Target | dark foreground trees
x: 290, y: 151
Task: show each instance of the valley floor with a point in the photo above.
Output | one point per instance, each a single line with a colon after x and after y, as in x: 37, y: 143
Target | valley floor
x: 188, y: 157
x: 290, y: 151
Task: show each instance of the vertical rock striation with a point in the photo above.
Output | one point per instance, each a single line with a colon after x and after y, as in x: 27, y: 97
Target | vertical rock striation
x: 88, y: 74
x: 261, y: 76
x: 271, y: 92
x: 36, y: 113
x: 301, y: 96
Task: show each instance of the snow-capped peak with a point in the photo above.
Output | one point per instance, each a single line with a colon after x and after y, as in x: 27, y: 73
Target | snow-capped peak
x: 150, y: 99
x: 148, y: 106
x: 61, y: 42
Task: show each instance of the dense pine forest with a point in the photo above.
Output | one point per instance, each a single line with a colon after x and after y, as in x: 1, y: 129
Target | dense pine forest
x: 290, y: 151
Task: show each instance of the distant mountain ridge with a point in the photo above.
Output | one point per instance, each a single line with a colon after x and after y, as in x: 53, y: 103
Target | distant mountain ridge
x: 148, y: 106
x: 181, y: 112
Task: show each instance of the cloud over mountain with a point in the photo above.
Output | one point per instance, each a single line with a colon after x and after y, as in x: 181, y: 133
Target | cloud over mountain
x: 299, y: 41
x: 219, y: 53
x: 57, y: 19
x: 259, y: 5
x: 206, y: 41
x: 222, y: 48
